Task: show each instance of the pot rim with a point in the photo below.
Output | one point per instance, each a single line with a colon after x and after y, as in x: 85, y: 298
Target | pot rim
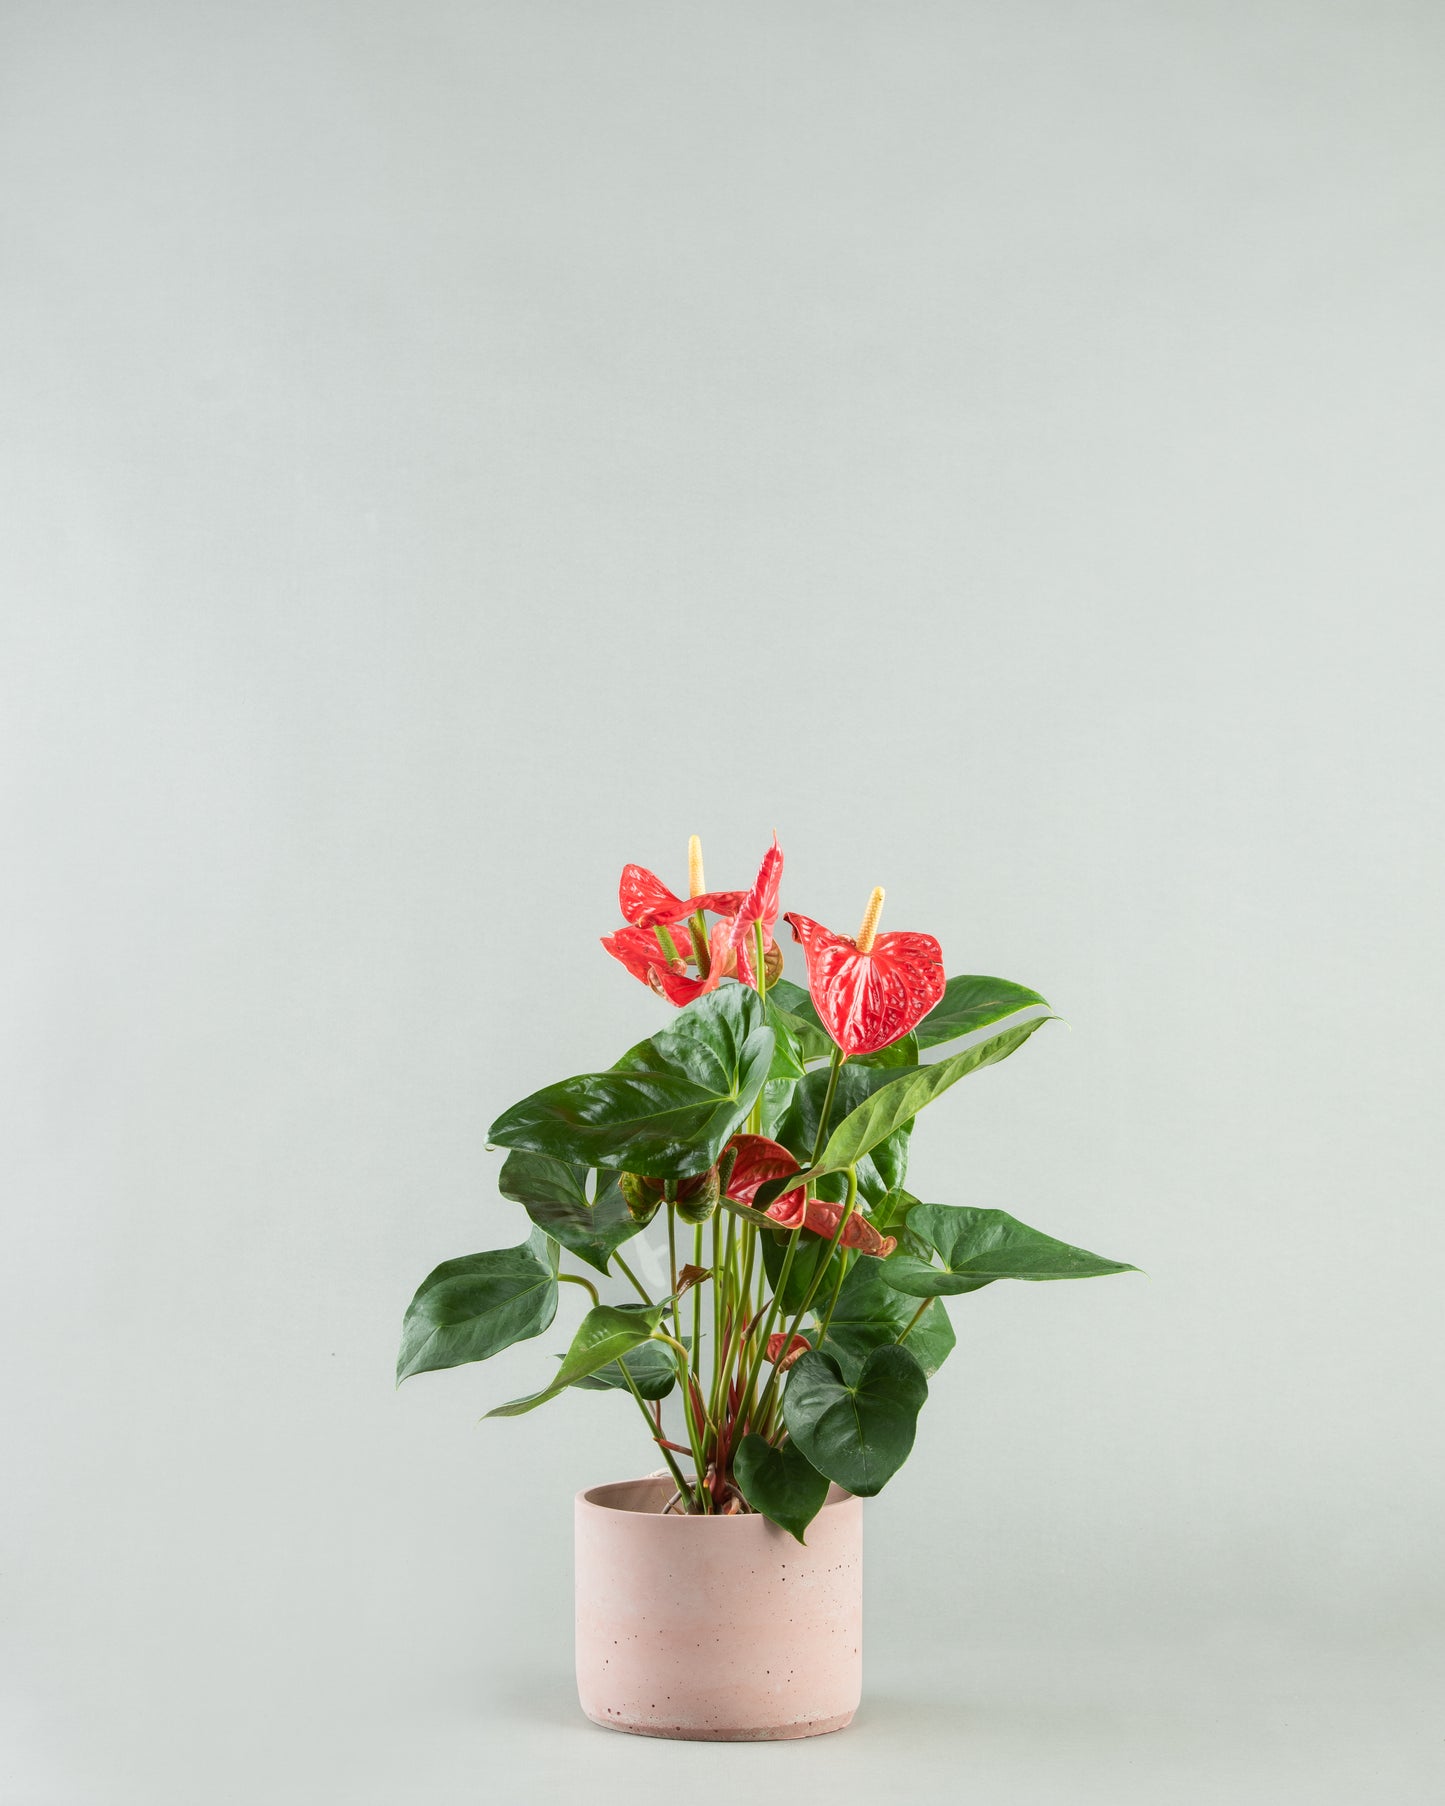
x: 591, y: 1497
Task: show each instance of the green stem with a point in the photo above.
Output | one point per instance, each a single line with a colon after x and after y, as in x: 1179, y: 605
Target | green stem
x: 912, y: 1321
x: 627, y: 1273
x: 816, y: 1286
x: 697, y: 926
x: 703, y: 1496
x: 576, y: 1279
x: 834, y: 1067
x: 672, y: 1264
x: 652, y: 1430
x: 696, y: 1358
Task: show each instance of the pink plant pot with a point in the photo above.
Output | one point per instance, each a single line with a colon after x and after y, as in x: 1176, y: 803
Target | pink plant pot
x: 720, y: 1629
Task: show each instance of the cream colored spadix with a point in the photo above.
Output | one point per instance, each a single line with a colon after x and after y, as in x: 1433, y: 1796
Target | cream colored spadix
x: 695, y: 883
x: 868, y: 932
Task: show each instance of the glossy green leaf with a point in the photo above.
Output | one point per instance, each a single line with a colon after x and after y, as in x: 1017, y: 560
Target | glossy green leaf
x: 899, y: 1100
x: 978, y: 1246
x: 880, y: 1170
x: 471, y: 1308
x: 870, y: 1314
x: 653, y: 1366
x: 970, y: 1003
x: 669, y: 1104
x: 780, y: 1483
x: 858, y: 1432
x: 814, y: 1041
x: 605, y: 1334
x: 555, y: 1196
x: 787, y: 1054
x: 902, y: 1052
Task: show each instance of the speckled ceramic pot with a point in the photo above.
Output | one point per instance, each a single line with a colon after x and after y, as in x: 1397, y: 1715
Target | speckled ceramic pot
x: 723, y: 1629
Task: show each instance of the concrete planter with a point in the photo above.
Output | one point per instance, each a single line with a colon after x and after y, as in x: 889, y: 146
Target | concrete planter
x: 719, y: 1629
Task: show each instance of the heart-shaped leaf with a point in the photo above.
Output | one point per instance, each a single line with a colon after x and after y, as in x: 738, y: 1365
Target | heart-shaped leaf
x: 652, y: 1365
x: 870, y: 1314
x: 780, y: 1483
x: 554, y: 1195
x: 668, y: 1105
x: 969, y: 1003
x: 471, y: 1308
x: 979, y: 1246
x: 857, y: 1432
x: 605, y: 1334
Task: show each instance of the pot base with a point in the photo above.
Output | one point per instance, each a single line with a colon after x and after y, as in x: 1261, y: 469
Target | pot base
x: 814, y: 1727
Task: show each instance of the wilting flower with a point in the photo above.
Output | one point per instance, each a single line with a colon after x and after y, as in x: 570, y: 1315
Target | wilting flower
x: 757, y: 1160
x: 798, y: 1346
x: 871, y: 990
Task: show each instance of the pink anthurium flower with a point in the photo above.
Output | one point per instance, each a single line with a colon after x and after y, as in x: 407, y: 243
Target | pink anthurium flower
x: 870, y: 990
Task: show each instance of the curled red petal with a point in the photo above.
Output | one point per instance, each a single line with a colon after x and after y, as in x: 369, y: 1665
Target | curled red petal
x: 646, y: 902
x: 756, y: 1161
x: 867, y: 1000
x: 638, y: 950
x: 680, y: 987
x: 761, y: 902
x: 798, y: 1346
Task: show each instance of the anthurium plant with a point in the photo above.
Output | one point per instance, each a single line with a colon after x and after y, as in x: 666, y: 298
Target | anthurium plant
x: 765, y: 1131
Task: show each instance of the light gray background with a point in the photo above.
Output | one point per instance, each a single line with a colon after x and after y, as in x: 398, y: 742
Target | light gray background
x: 453, y: 449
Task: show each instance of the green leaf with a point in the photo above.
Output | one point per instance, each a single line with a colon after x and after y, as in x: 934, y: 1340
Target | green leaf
x: 870, y: 1314
x: 902, y: 1052
x: 605, y: 1334
x: 980, y: 1246
x: 472, y: 1308
x: 653, y: 1366
x: 900, y: 1100
x: 787, y: 1055
x: 554, y: 1195
x: 814, y: 1041
x: 879, y: 1171
x: 973, y: 1003
x: 668, y: 1105
x: 890, y: 1213
x: 857, y: 1432
x: 780, y: 1483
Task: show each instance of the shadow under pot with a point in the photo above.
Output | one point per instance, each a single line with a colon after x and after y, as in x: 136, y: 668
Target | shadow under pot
x: 720, y: 1629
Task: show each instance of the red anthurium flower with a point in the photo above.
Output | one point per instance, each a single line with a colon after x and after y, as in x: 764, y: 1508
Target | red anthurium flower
x: 822, y: 1218
x: 798, y: 1346
x: 760, y: 905
x: 642, y: 953
x: 649, y: 905
x: 871, y: 990
x: 647, y: 902
x: 758, y: 1160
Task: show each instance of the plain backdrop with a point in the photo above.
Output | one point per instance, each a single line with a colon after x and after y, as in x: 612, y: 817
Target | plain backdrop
x: 453, y: 449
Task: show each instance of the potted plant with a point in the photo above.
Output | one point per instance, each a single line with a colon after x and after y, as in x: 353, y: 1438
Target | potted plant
x: 780, y: 1367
